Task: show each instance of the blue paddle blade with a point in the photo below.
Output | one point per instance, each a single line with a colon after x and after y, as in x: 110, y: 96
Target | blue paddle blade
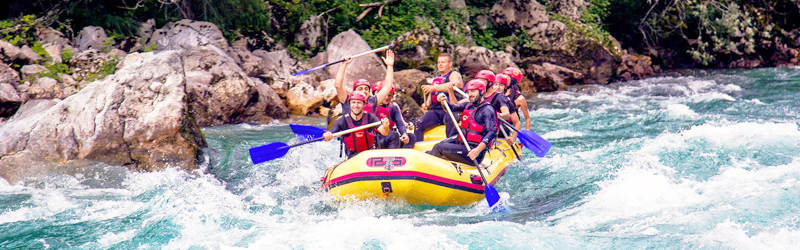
x: 306, y: 132
x: 311, y: 69
x: 268, y: 152
x: 534, y: 142
x: 492, y: 197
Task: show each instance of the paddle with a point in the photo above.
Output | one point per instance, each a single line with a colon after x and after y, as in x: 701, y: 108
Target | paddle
x: 492, y: 197
x: 531, y: 140
x: 512, y: 146
x: 306, y: 132
x: 332, y: 63
x: 276, y: 150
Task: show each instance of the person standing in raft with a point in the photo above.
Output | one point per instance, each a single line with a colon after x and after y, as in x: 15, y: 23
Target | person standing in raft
x: 360, y: 140
x: 478, y: 124
x: 517, y: 100
x: 362, y: 84
x: 437, y: 115
x: 390, y: 110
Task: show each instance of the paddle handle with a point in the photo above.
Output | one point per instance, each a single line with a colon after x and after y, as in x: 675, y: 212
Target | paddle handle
x: 360, y: 54
x: 371, y: 51
x: 338, y: 133
x: 455, y: 123
x: 512, y: 146
x: 509, y: 125
x: 460, y: 91
x: 356, y: 129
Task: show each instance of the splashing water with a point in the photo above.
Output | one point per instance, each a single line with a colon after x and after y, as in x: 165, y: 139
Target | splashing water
x: 709, y: 161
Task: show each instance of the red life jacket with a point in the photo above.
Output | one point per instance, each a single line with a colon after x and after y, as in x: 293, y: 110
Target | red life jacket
x: 381, y: 112
x: 360, y: 140
x: 472, y: 130
x: 434, y: 100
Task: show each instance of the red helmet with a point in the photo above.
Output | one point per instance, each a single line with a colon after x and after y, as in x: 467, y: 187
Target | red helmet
x: 360, y: 82
x: 502, y: 78
x: 486, y: 75
x: 437, y: 81
x: 475, y: 84
x: 358, y: 95
x: 378, y: 85
x: 513, y: 73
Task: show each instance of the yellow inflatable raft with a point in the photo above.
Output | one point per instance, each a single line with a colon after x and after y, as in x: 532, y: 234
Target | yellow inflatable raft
x: 413, y: 176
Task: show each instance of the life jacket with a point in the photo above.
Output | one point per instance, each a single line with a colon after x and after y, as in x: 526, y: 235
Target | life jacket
x: 472, y: 130
x: 490, y: 101
x: 434, y: 100
x: 381, y: 112
x: 360, y: 140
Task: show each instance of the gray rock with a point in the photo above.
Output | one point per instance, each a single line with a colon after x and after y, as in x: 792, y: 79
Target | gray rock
x: 47, y: 35
x: 187, y: 34
x: 92, y: 37
x: 44, y: 88
x: 8, y: 52
x: 8, y: 75
x: 54, y: 51
x: 220, y: 92
x: 28, y: 71
x: 9, y: 100
x: 473, y: 59
x: 27, y: 55
x: 136, y: 118
x: 311, y: 32
x: 368, y: 67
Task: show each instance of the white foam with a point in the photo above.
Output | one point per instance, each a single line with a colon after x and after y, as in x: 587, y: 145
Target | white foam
x: 681, y: 111
x: 733, y: 235
x: 561, y: 133
x: 747, y: 133
x: 756, y: 101
x: 357, y: 233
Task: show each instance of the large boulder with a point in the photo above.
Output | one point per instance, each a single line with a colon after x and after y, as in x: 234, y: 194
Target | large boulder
x: 92, y: 37
x: 347, y: 43
x: 220, y: 92
x: 277, y: 65
x: 569, y: 44
x: 311, y: 32
x: 408, y: 82
x: 473, y: 59
x: 419, y: 48
x: 138, y: 118
x: 187, y: 34
x: 303, y: 99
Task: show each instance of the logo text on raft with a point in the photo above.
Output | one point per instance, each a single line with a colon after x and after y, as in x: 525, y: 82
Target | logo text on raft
x: 386, y: 162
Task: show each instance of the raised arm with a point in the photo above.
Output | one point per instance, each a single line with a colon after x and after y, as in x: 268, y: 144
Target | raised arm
x: 339, y: 81
x: 388, y: 82
x: 520, y: 101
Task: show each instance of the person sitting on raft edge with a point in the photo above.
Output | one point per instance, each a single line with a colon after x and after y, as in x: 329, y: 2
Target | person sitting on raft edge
x: 478, y: 124
x: 360, y: 140
x: 436, y: 115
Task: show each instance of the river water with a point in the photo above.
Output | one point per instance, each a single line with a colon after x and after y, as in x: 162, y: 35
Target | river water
x: 708, y: 160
